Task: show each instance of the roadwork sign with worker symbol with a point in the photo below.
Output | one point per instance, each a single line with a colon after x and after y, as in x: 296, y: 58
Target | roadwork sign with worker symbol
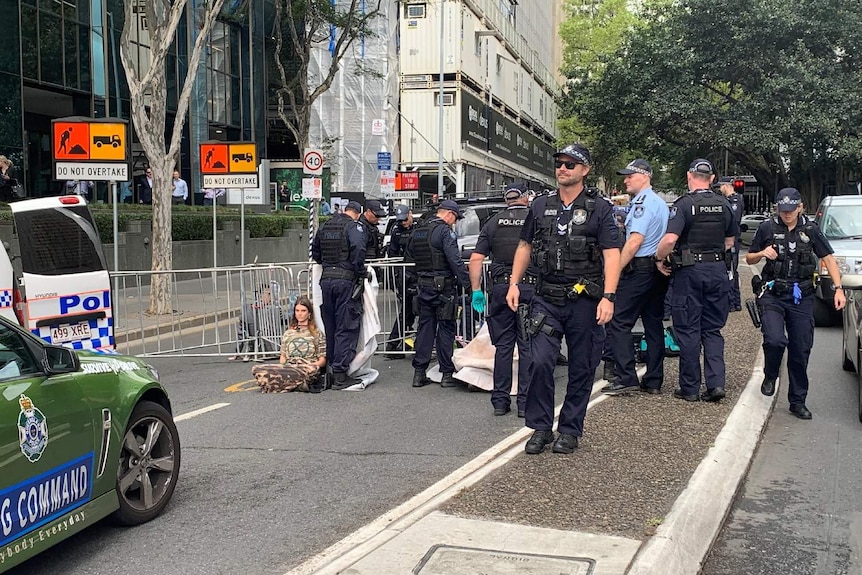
x: 90, y: 149
x: 229, y: 164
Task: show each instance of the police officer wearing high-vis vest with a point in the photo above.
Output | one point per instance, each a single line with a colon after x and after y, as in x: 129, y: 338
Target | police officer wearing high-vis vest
x: 339, y: 246
x: 642, y: 287
x: 571, y: 237
x: 725, y: 186
x: 499, y: 239
x: 700, y: 232
x: 791, y: 243
x: 439, y: 269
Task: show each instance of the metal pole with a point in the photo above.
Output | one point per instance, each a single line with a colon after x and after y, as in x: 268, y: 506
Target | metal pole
x: 242, y: 228
x: 116, y: 230
x: 215, y: 232
x: 312, y: 209
x: 440, y: 102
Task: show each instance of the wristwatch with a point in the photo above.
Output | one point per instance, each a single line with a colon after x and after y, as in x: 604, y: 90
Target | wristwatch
x: 611, y: 297
x: 838, y: 287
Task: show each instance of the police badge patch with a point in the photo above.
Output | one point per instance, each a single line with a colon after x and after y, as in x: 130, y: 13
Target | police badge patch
x: 803, y: 237
x: 639, y: 211
x: 673, y: 211
x: 579, y: 217
x: 32, y: 430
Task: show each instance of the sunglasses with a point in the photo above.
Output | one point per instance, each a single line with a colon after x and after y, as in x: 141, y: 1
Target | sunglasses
x: 569, y: 165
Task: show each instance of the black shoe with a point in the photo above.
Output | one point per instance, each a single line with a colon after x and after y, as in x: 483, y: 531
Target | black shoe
x: 562, y: 359
x: 736, y: 308
x: 502, y: 410
x: 420, y: 379
x: 608, y: 374
x: 767, y: 388
x: 677, y: 393
x: 522, y: 413
x: 341, y: 381
x: 714, y: 394
x: 450, y: 381
x: 565, y: 443
x: 618, y: 388
x: 800, y: 411
x: 649, y: 390
x: 539, y: 440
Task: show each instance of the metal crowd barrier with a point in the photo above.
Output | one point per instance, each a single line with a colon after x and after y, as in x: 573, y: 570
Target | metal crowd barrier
x: 243, y: 311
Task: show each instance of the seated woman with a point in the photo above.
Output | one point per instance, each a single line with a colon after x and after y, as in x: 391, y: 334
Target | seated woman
x: 303, y: 356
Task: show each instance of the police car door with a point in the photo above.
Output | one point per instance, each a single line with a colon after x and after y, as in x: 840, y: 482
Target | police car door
x: 7, y: 285
x: 47, y: 443
x: 67, y: 289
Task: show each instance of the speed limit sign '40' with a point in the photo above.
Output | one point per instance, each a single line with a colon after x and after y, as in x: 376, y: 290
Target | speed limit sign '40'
x: 312, y: 162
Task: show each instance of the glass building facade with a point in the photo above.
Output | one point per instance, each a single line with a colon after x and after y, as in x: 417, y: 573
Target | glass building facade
x: 61, y: 58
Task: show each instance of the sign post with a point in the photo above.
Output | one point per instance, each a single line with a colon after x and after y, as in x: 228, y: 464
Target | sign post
x: 312, y: 165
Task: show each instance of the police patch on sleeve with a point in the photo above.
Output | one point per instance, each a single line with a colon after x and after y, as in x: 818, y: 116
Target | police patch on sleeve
x: 673, y: 212
x: 360, y: 228
x: 452, y: 234
x: 733, y: 206
x: 638, y: 211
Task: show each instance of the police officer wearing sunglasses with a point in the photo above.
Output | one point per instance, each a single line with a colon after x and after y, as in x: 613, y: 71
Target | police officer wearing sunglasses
x: 571, y: 237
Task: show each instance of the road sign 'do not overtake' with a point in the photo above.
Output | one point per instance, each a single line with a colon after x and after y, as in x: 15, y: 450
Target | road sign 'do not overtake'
x: 90, y: 149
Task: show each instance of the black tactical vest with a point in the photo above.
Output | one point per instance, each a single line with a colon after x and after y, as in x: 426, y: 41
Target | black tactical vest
x: 573, y: 254
x: 706, y: 234
x: 799, y: 265
x: 427, y: 257
x: 373, y: 242
x: 507, y: 232
x: 334, y: 248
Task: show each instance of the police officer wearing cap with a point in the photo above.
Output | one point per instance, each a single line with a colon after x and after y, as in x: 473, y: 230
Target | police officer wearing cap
x: 571, y: 237
x: 725, y: 186
x: 641, y: 288
x: 439, y: 268
x: 405, y: 279
x: 339, y: 246
x: 370, y: 218
x: 791, y: 243
x: 700, y: 230
x: 499, y: 239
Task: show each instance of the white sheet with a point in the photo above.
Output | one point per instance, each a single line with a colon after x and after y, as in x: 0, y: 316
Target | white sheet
x: 475, y: 362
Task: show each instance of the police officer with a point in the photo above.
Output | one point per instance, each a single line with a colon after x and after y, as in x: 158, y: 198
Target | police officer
x: 642, y: 287
x: 339, y: 246
x: 791, y: 244
x: 725, y: 186
x: 499, y: 239
x: 369, y: 219
x: 571, y: 237
x: 405, y: 280
x: 438, y: 266
x: 700, y: 229
x: 609, y: 374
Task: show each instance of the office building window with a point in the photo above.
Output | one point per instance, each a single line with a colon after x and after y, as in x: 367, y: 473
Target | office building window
x: 223, y: 74
x: 54, y: 46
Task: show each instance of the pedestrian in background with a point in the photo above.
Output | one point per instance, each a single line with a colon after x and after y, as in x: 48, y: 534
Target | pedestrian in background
x: 725, y: 186
x: 82, y: 188
x: 642, y: 287
x: 791, y: 243
x: 404, y: 279
x: 7, y: 182
x: 339, y: 247
x: 499, y: 239
x: 572, y: 238
x: 179, y: 189
x: 700, y: 230
x: 439, y: 271
x: 145, y: 187
x: 211, y: 195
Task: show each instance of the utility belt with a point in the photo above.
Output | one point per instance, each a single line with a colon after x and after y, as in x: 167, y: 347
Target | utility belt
x: 641, y: 263
x: 689, y: 258
x: 438, y: 283
x: 558, y: 294
x: 336, y: 273
x: 785, y: 287
x: 505, y: 278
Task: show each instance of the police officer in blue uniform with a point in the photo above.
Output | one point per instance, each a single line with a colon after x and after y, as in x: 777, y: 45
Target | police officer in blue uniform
x: 642, y: 287
x: 725, y: 186
x: 405, y: 280
x: 609, y: 374
x: 339, y: 246
x: 700, y: 230
x: 439, y: 268
x: 499, y: 239
x: 571, y: 237
x: 369, y: 220
x: 791, y: 244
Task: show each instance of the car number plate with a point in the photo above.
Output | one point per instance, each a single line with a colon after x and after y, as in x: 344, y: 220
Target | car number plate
x: 73, y: 332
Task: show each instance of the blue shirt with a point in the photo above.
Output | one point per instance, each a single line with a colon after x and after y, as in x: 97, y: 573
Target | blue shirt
x: 181, y: 189
x: 647, y: 216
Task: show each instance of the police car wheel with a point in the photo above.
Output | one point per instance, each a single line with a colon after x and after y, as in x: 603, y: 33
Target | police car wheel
x: 149, y: 464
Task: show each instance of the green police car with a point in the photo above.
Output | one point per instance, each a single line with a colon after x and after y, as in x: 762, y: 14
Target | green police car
x: 83, y: 435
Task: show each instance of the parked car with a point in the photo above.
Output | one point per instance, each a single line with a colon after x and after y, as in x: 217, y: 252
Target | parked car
x: 475, y: 215
x: 84, y: 435
x: 748, y: 225
x: 840, y: 219
x: 851, y: 352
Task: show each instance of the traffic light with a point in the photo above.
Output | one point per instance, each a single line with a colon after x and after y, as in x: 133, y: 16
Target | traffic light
x: 739, y: 186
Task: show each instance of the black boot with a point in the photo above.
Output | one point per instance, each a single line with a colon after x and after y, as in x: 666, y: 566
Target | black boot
x: 341, y: 381
x: 449, y: 381
x: 609, y: 373
x: 420, y: 379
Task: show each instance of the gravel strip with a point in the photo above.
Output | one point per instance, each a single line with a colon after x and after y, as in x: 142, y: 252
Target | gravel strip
x: 637, y: 454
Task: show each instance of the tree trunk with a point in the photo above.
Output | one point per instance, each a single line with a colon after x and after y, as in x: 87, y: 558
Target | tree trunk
x: 160, y: 286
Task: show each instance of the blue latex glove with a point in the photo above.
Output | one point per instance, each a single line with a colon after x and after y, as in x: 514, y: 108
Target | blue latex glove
x: 479, y: 301
x: 797, y: 294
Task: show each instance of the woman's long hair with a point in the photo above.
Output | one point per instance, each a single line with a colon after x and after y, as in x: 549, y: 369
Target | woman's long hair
x: 305, y: 302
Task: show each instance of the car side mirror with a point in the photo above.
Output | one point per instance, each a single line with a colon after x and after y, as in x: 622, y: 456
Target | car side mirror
x: 58, y: 359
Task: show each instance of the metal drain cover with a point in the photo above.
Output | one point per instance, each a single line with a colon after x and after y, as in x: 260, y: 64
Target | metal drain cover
x: 448, y: 560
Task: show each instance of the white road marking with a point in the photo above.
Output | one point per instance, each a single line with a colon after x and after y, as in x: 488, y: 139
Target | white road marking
x: 200, y: 411
x: 366, y: 539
